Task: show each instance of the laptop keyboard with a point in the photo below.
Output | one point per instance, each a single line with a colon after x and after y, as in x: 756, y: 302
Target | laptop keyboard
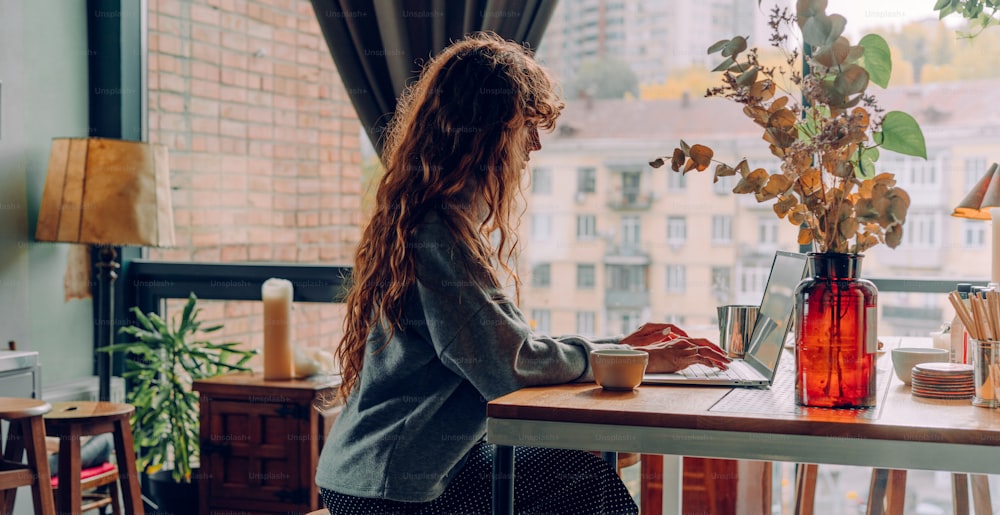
x: 737, y: 370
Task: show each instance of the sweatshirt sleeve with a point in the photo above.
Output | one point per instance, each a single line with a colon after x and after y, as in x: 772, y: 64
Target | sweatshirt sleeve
x: 479, y: 334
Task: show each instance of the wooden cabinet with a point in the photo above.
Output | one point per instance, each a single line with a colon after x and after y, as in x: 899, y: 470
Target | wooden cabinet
x: 260, y: 442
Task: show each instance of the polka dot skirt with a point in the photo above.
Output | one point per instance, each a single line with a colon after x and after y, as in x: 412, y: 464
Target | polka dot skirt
x: 546, y: 481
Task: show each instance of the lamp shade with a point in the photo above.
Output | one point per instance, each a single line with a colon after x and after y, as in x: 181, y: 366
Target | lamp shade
x: 984, y: 196
x: 107, y: 191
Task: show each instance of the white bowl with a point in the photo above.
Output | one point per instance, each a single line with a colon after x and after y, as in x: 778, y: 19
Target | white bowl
x: 904, y: 359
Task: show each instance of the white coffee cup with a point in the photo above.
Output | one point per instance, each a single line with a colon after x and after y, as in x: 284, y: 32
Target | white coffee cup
x: 618, y: 369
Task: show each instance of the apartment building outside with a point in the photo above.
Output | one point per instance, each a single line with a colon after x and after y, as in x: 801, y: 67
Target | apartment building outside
x: 655, y: 37
x: 611, y: 242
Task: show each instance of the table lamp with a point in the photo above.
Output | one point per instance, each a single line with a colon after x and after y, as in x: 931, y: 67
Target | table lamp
x: 107, y: 193
x: 983, y: 203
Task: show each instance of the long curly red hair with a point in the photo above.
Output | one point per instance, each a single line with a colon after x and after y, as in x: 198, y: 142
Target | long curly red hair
x: 458, y: 138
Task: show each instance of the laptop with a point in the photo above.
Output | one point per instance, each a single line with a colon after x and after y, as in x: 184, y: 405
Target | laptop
x: 770, y: 330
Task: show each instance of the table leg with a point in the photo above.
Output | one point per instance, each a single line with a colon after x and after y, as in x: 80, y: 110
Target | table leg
x: 876, y: 492
x: 42, y: 497
x: 960, y: 493
x: 69, y: 496
x: 895, y: 492
x: 128, y: 475
x: 503, y: 480
x: 805, y: 487
x: 981, y: 493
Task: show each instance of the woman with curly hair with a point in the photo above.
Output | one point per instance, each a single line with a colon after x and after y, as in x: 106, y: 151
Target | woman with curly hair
x: 430, y: 335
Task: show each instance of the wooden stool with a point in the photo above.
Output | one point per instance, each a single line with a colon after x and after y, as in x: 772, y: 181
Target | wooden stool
x: 25, y: 433
x: 95, y: 500
x: 71, y: 420
x: 887, y: 491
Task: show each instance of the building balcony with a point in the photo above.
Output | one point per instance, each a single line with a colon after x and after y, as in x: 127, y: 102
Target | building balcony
x: 630, y: 200
x: 625, y: 255
x: 626, y: 299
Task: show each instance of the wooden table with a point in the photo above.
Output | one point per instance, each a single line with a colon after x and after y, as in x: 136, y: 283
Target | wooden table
x: 907, y: 433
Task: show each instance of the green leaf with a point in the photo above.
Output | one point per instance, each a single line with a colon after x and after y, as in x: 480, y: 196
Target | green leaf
x: 866, y: 167
x: 816, y: 30
x: 734, y: 46
x: 747, y: 78
x: 718, y: 45
x: 941, y: 4
x: 901, y: 133
x: 837, y: 24
x: 852, y: 80
x: 724, y: 64
x: 877, y: 59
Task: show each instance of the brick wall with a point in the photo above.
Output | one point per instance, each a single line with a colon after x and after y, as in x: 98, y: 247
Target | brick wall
x: 264, y: 146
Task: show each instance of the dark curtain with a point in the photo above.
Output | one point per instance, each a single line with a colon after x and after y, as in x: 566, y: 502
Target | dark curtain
x: 379, y: 45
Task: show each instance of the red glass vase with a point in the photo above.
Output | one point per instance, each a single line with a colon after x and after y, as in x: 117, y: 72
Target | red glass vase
x: 835, y: 334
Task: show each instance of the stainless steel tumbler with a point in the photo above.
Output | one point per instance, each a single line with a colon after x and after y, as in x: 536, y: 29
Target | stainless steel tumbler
x: 735, y: 328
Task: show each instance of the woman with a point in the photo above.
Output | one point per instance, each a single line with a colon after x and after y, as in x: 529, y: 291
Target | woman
x: 430, y: 336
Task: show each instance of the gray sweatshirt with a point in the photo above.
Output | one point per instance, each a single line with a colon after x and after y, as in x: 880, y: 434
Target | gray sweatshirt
x: 420, y: 403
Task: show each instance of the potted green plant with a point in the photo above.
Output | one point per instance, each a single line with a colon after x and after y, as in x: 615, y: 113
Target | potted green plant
x: 162, y: 362
x: 827, y: 132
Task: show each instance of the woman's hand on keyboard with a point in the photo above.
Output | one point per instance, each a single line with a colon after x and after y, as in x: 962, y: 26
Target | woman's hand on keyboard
x: 682, y: 352
x: 653, y: 333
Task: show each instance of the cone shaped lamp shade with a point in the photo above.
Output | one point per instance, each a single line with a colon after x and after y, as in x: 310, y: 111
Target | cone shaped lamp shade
x: 983, y: 203
x: 106, y: 191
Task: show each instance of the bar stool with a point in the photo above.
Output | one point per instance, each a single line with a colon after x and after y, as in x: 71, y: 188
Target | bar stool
x: 90, y: 498
x: 25, y: 433
x: 887, y: 491
x: 71, y: 420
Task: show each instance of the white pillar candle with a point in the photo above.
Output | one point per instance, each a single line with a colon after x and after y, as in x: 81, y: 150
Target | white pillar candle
x: 995, y: 255
x: 278, y: 361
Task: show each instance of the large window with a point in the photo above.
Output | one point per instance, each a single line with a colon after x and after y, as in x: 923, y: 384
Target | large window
x: 724, y: 241
x: 541, y: 181
x: 626, y: 278
x: 585, y: 323
x: 268, y: 162
x: 722, y: 283
x: 921, y: 231
x: 722, y: 229
x: 676, y: 278
x: 973, y: 234
x: 676, y: 230
x: 975, y: 168
x: 541, y: 275
x: 541, y: 227
x: 631, y: 187
x: 586, y: 179
x: 541, y: 321
x: 676, y: 182
x: 586, y: 227
x: 585, y: 276
x: 767, y: 231
x: 631, y: 232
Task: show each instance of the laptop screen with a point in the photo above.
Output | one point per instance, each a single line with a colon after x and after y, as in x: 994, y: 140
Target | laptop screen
x: 776, y: 310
